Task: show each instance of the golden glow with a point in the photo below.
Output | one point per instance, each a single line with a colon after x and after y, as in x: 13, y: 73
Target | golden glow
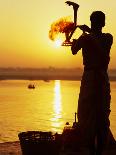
x: 57, y: 107
x: 59, y: 40
x: 57, y: 99
x: 58, y: 43
x: 24, y: 28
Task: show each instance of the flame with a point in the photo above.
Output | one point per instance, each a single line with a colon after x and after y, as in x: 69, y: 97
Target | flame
x: 63, y: 25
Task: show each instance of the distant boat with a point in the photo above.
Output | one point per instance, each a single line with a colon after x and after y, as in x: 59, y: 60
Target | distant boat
x: 31, y: 86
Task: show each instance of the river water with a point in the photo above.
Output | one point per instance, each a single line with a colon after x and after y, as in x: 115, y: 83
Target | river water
x: 46, y: 108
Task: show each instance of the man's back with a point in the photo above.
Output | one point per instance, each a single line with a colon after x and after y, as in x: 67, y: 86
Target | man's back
x: 95, y: 49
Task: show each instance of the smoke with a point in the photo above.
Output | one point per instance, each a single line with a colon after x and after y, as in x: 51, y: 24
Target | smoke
x: 63, y: 25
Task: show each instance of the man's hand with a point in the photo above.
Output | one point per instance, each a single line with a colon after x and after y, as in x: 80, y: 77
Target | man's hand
x: 84, y: 28
x: 75, y: 5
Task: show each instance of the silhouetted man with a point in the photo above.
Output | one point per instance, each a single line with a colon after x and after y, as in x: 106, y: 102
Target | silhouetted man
x: 94, y: 97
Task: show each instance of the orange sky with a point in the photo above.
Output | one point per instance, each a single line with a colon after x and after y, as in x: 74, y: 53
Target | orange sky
x: 24, y: 27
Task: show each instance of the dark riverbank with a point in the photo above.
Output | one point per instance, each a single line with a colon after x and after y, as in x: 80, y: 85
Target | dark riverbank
x: 10, y: 148
x: 13, y: 148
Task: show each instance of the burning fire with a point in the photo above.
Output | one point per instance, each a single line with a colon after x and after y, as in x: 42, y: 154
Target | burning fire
x: 63, y: 25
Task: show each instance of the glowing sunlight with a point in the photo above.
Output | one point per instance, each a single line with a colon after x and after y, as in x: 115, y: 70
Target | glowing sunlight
x: 57, y: 107
x: 58, y: 43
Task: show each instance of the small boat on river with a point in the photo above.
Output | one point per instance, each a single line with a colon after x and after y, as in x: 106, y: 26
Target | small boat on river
x: 31, y: 86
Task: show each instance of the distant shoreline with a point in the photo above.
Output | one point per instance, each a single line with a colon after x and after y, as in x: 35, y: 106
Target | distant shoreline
x: 46, y: 74
x: 41, y: 78
x: 32, y: 78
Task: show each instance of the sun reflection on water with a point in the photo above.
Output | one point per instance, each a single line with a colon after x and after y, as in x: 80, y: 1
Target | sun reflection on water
x: 57, y: 108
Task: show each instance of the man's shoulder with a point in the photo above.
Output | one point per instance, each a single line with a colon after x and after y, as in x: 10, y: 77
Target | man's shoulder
x: 108, y: 37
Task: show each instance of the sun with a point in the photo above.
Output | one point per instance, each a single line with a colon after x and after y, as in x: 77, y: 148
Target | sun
x: 58, y: 43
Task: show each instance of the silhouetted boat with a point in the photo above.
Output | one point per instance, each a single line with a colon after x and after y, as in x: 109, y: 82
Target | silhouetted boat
x: 31, y: 86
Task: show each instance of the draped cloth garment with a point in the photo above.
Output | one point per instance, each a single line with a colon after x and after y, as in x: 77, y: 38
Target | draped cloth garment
x: 94, y: 105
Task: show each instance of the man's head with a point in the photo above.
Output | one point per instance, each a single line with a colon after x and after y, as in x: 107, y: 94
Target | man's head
x: 97, y: 19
